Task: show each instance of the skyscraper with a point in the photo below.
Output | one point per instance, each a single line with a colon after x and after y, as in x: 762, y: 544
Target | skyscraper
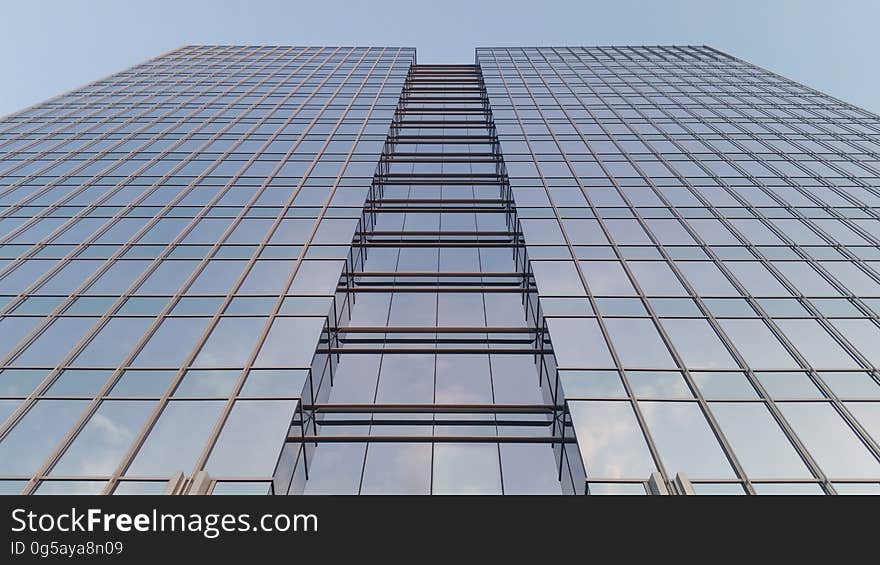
x: 299, y: 270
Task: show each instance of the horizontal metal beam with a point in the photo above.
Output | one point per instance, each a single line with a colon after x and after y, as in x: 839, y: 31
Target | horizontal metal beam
x: 448, y: 288
x: 433, y: 274
x: 433, y: 329
x: 434, y: 422
x: 443, y: 408
x: 432, y: 350
x: 426, y: 439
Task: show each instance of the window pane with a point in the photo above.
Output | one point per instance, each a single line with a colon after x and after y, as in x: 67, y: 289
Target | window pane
x: 406, y: 378
x: 758, y: 442
x: 529, y: 469
x: 514, y: 378
x: 103, y: 441
x: 684, y: 440
x: 113, y: 342
x: 171, y: 343
x: 757, y: 344
x: 466, y: 469
x: 143, y: 383
x: 33, y: 437
x: 251, y: 439
x: 55, y: 342
x: 279, y: 350
x: 230, y: 343
x: 275, y: 383
x: 868, y: 415
x: 788, y: 384
x: 724, y: 385
x: 610, y: 440
x: 557, y: 278
x: 177, y: 438
x: 168, y: 277
x: 266, y: 277
x: 816, y: 345
x: 638, y: 344
x: 864, y: 335
x: 707, y: 279
x: 656, y: 278
x: 78, y: 383
x: 779, y: 489
x: 397, y: 469
x: 463, y: 378
x: 852, y: 385
x: 71, y: 487
x: 207, y: 383
x: 20, y: 382
x: 606, y: 278
x: 829, y: 440
x: 656, y: 384
x: 578, y: 343
x: 13, y: 330
x: 316, y: 277
x: 217, y: 277
x: 460, y: 309
x: 239, y: 487
x: 698, y: 345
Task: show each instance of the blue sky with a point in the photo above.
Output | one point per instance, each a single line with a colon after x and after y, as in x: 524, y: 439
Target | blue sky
x: 50, y: 46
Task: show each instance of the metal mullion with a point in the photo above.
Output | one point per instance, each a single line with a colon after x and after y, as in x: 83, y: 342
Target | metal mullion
x: 52, y: 100
x: 212, y: 439
x: 811, y: 153
x: 755, y: 211
x: 77, y: 135
x: 716, y: 327
x: 147, y: 81
x: 111, y: 381
x: 106, y: 226
x: 785, y: 80
x: 109, y: 262
x: 386, y: 350
x: 814, y: 467
x: 174, y: 53
x: 667, y: 341
x: 212, y: 323
x: 161, y: 316
x: 85, y: 163
x: 65, y: 260
x: 853, y: 422
x: 760, y: 257
x: 753, y: 136
x: 792, y: 141
x: 605, y: 335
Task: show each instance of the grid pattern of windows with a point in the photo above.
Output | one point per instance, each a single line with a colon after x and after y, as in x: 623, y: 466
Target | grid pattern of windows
x: 437, y: 370
x: 704, y: 237
x: 171, y: 238
x: 330, y: 270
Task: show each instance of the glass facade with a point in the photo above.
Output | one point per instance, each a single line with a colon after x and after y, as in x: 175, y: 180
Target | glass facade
x: 305, y: 270
x: 438, y: 370
x: 170, y: 240
x: 709, y: 232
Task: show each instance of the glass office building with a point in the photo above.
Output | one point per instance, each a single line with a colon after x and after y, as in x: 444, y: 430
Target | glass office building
x: 322, y: 270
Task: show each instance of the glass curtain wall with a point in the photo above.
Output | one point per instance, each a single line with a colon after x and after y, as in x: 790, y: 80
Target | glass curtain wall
x: 165, y: 240
x: 438, y: 384
x: 709, y: 232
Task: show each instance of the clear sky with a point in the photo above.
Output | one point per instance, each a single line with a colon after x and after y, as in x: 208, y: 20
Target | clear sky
x: 51, y: 46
